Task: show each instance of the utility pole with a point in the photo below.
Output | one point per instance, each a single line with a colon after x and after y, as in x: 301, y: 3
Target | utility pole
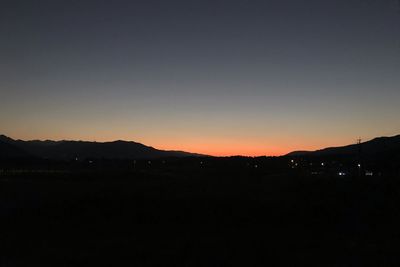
x: 359, y: 157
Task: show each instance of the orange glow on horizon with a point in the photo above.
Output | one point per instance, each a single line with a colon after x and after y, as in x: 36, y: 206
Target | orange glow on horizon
x: 208, y: 146
x: 223, y: 149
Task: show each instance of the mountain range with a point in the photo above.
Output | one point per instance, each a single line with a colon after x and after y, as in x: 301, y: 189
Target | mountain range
x: 375, y: 147
x: 64, y: 150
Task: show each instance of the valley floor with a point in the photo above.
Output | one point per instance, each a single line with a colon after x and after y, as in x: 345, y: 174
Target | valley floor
x: 199, y: 218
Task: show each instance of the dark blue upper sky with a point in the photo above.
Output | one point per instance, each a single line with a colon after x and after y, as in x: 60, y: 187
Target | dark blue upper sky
x: 218, y: 77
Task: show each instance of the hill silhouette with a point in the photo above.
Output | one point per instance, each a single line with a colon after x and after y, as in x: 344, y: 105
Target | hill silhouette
x: 64, y: 150
x: 11, y: 148
x: 376, y: 146
x: 11, y: 151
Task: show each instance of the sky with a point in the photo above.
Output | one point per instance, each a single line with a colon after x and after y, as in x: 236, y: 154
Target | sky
x: 221, y: 77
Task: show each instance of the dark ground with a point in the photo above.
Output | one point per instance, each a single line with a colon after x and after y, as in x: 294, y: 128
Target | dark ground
x: 198, y: 217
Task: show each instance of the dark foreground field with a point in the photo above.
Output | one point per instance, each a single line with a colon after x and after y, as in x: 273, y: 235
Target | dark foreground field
x: 198, y: 217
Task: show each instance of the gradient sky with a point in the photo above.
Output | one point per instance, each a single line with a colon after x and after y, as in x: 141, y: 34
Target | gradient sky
x: 215, y: 77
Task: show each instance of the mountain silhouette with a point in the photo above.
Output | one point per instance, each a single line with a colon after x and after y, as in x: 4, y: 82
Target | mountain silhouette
x: 11, y: 151
x: 376, y: 146
x: 82, y: 149
x: 64, y: 150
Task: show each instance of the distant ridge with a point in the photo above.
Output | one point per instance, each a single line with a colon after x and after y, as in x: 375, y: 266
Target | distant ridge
x: 10, y: 148
x: 375, y: 146
x: 64, y: 150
